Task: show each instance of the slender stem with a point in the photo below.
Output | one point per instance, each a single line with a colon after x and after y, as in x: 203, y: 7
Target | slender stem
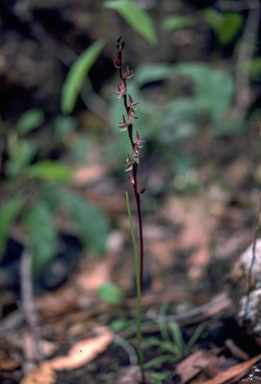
x: 138, y: 286
x: 137, y: 197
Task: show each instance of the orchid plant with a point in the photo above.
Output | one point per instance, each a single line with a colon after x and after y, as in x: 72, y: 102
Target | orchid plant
x: 132, y: 164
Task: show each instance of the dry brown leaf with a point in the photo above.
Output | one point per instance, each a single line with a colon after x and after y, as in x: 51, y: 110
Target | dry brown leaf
x: 82, y: 352
x: 43, y: 374
x: 9, y: 364
x: 131, y: 375
x: 237, y: 172
x: 93, y: 273
x: 62, y: 301
x: 231, y: 372
x: 188, y: 368
x: 90, y: 174
x: 197, y: 224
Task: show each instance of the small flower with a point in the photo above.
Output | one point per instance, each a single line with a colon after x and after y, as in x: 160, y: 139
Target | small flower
x: 142, y: 190
x: 138, y: 140
x: 131, y: 103
x: 121, y: 89
x: 123, y: 124
x: 131, y: 110
x: 136, y: 154
x: 128, y: 74
x: 131, y: 179
x: 117, y: 63
x: 128, y: 163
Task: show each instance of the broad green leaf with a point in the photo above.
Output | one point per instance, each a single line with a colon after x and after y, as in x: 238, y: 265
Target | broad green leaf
x: 89, y: 221
x: 138, y: 19
x: 119, y: 324
x: 38, y: 221
x: 13, y: 145
x: 76, y: 75
x: 8, y: 213
x: 179, y: 121
x: 225, y: 25
x: 30, y: 120
x: 254, y: 67
x: 20, y: 150
x: 50, y: 194
x: 149, y: 73
x: 110, y: 293
x: 172, y: 23
x: 22, y: 157
x: 50, y: 170
x: 213, y: 89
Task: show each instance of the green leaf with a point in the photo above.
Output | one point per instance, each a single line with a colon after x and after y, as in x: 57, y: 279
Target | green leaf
x: 213, y: 89
x: 253, y: 67
x: 179, y: 121
x: 225, y: 25
x: 159, y: 360
x: 76, y: 75
x: 21, y: 154
x: 172, y: 23
x: 38, y: 222
x: 50, y: 170
x: 149, y: 73
x: 119, y: 324
x: 8, y: 213
x: 30, y: 120
x: 138, y: 19
x: 177, y: 336
x: 110, y: 293
x: 90, y: 223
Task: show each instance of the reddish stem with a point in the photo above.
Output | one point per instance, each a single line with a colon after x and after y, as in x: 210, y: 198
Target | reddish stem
x: 137, y: 197
x: 135, y: 165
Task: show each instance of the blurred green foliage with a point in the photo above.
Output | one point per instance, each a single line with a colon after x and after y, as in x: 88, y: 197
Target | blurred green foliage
x: 173, y: 22
x: 172, y: 340
x: 77, y: 74
x: 110, y: 293
x: 134, y: 15
x: 226, y: 25
x: 184, y: 117
x: 37, y: 188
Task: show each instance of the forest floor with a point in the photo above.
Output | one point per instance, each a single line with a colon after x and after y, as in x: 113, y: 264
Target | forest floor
x: 191, y: 244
